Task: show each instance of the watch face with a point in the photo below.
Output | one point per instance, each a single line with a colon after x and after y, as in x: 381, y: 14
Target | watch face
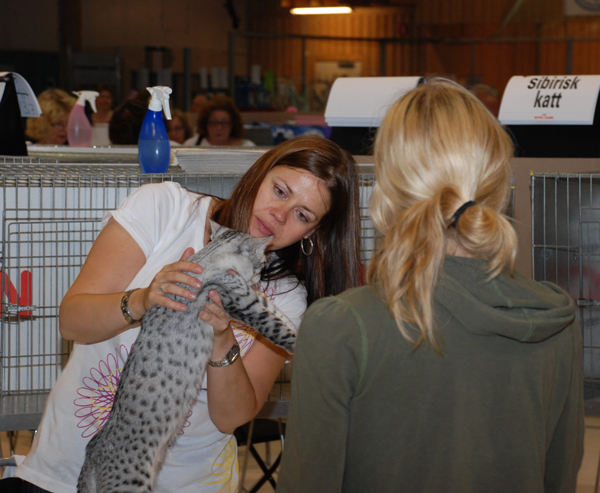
x: 233, y: 354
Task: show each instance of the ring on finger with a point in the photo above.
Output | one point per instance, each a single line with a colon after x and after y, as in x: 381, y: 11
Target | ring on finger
x: 162, y: 287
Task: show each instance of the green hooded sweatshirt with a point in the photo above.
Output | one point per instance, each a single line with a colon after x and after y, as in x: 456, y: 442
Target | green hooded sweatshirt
x: 500, y: 410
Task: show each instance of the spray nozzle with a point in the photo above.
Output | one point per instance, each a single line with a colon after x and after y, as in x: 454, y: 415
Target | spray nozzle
x: 84, y: 96
x: 160, y: 99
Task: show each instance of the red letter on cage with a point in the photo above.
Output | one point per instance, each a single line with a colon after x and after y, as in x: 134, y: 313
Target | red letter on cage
x: 22, y: 299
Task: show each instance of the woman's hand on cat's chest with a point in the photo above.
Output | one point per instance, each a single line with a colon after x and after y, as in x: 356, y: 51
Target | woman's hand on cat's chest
x: 182, y: 271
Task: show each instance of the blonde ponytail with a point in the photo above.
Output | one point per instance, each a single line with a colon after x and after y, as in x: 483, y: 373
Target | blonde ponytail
x: 437, y: 149
x: 487, y: 234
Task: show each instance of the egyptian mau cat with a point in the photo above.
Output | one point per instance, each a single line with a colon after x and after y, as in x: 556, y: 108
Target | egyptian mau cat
x: 164, y: 371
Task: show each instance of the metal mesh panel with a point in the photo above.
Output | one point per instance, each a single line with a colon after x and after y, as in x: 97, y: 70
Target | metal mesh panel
x: 51, y: 216
x: 566, y: 251
x: 367, y: 244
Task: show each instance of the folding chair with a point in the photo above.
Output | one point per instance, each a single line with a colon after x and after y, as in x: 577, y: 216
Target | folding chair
x: 267, y: 426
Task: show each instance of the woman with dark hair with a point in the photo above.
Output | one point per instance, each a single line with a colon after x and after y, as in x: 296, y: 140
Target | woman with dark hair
x: 303, y: 193
x: 126, y: 122
x: 220, y: 124
x: 339, y: 229
x: 104, y: 105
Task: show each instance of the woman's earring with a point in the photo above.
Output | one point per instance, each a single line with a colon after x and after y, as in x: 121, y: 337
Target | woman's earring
x: 309, y: 253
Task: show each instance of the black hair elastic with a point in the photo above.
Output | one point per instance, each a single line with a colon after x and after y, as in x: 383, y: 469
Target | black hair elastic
x: 460, y: 211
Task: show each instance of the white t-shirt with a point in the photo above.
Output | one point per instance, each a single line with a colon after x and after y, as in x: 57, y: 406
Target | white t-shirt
x: 164, y: 219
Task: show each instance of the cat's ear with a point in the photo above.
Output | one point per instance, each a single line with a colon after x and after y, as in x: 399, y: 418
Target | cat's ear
x: 259, y: 245
x: 216, y: 229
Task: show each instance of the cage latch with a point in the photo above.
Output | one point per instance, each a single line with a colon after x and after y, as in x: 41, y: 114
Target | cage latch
x: 18, y: 308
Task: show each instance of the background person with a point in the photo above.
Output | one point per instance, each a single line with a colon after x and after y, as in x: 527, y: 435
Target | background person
x: 220, y: 124
x: 489, y: 97
x: 447, y: 372
x: 198, y: 101
x: 51, y: 127
x: 104, y: 105
x: 126, y: 122
x: 101, y: 119
x: 289, y: 194
x: 178, y: 127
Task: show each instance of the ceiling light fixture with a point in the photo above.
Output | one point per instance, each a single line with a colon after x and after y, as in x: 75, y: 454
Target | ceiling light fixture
x: 320, y: 10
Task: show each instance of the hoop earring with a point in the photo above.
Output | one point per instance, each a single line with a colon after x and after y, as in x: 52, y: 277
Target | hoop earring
x: 312, y: 246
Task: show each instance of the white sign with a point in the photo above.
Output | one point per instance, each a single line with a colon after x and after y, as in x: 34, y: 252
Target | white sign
x: 364, y: 101
x: 550, y: 99
x: 582, y: 7
x: 28, y: 103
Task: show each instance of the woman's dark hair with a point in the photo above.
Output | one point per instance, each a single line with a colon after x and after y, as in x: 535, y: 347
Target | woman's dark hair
x: 334, y: 265
x: 126, y: 122
x: 221, y: 103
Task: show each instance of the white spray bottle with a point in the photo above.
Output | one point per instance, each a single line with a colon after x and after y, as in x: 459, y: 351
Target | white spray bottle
x: 154, y: 149
x: 79, y: 128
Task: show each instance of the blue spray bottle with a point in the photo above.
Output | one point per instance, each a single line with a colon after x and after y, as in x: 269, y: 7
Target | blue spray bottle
x: 154, y: 149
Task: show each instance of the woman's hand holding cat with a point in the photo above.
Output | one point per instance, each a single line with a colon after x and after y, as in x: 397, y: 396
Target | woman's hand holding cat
x: 214, y: 314
x: 164, y: 282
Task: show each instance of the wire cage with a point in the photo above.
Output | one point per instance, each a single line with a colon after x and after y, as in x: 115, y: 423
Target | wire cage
x: 51, y: 216
x: 566, y: 251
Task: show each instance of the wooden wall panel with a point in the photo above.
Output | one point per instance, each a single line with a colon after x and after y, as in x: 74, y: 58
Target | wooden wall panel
x: 478, y: 11
x: 29, y: 27
x: 492, y: 63
x: 552, y: 59
x: 283, y: 56
x: 401, y: 59
x: 586, y: 58
x: 498, y: 62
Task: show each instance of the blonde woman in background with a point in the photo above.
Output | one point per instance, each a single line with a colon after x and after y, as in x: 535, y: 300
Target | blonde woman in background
x: 51, y: 127
x: 447, y: 372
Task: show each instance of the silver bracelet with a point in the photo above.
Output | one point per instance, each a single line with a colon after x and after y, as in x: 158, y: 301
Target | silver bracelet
x: 125, y: 307
x: 230, y: 358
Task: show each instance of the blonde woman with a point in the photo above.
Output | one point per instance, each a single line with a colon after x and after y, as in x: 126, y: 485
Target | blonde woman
x: 448, y: 372
x: 51, y: 127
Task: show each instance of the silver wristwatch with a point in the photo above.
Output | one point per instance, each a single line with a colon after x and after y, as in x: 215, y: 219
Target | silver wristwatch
x: 232, y: 355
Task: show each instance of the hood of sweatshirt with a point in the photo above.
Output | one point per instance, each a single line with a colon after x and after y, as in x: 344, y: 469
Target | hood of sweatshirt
x: 515, y: 307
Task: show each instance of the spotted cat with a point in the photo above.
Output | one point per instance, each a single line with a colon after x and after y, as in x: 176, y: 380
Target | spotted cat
x: 164, y: 371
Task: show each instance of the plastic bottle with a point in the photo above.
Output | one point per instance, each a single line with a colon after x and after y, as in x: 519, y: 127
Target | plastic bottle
x: 79, y: 128
x: 154, y: 149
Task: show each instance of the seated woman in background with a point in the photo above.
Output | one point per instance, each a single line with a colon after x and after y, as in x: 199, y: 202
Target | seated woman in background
x: 51, y: 127
x: 100, y: 120
x: 178, y: 127
x: 448, y: 372
x: 104, y: 105
x: 220, y: 124
x: 198, y: 101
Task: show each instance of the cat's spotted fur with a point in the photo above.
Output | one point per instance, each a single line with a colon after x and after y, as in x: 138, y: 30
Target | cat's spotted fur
x: 164, y: 371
